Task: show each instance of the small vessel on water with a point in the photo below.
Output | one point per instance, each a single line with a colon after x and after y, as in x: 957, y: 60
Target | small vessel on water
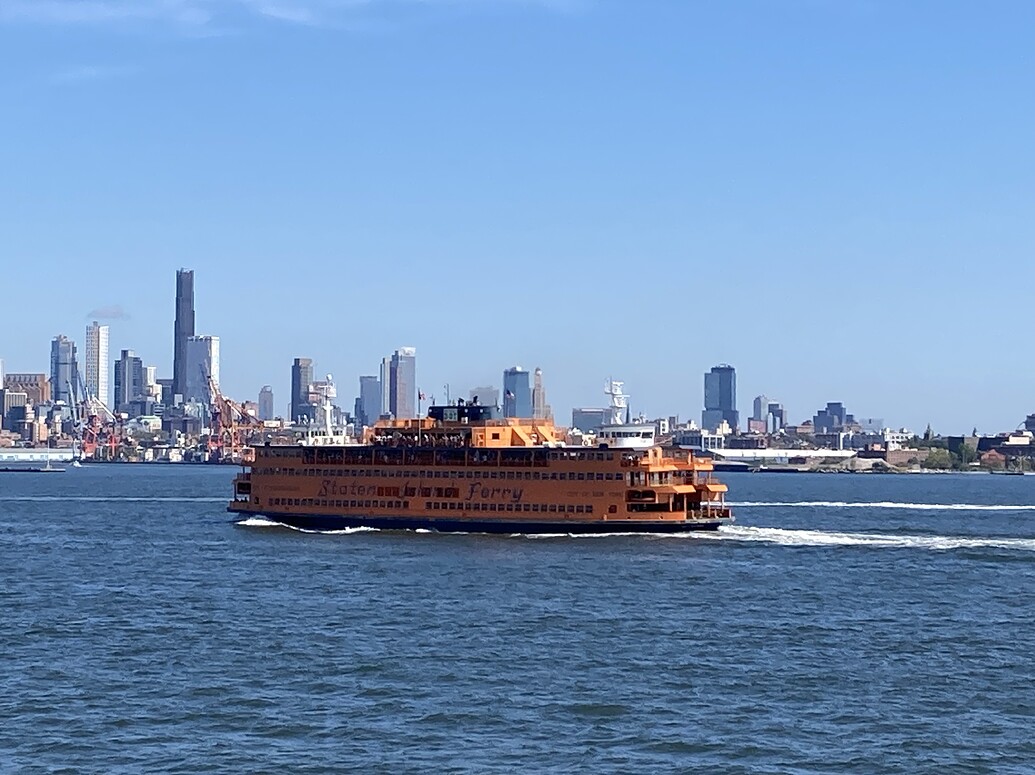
x: 464, y: 469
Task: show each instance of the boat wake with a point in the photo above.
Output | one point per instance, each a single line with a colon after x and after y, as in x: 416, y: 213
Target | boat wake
x: 884, y: 505
x: 263, y: 522
x: 787, y: 537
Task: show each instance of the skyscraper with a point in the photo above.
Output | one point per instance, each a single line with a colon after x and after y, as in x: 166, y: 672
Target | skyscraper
x: 540, y: 409
x: 129, y: 380
x: 760, y: 408
x: 369, y: 406
x: 402, y: 384
x: 266, y: 410
x: 96, y: 376
x: 202, y: 363
x: 183, y: 328
x: 720, y: 398
x: 301, y: 379
x: 64, y: 369
x: 517, y: 394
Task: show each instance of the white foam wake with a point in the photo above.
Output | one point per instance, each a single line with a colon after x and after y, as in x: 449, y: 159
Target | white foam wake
x: 886, y: 505
x: 786, y: 537
x: 263, y: 522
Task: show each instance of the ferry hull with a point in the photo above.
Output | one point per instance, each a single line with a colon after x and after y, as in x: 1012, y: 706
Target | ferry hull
x: 329, y: 522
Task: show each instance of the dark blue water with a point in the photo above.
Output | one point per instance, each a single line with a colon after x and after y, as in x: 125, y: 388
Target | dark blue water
x: 141, y: 630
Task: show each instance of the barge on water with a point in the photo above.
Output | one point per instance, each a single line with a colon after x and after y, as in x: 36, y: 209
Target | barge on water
x: 462, y: 469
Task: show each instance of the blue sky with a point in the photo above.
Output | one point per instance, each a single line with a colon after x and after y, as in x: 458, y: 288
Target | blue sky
x: 835, y: 196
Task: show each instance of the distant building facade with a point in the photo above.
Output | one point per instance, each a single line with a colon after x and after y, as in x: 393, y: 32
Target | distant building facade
x: 64, y: 368
x: 301, y: 379
x: 265, y: 409
x: 402, y: 384
x: 517, y: 393
x: 833, y: 419
x: 129, y: 381
x: 540, y: 409
x: 720, y: 398
x: 95, y: 372
x: 183, y: 329
x: 589, y: 420
x: 202, y: 363
x: 486, y: 396
x: 369, y: 403
x: 34, y: 385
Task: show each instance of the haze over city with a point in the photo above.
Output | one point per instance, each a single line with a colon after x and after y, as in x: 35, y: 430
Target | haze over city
x: 836, y: 198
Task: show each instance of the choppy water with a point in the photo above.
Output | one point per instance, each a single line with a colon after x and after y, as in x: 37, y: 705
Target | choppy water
x: 844, y: 624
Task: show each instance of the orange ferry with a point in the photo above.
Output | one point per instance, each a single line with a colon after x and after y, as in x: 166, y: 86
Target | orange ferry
x: 464, y: 470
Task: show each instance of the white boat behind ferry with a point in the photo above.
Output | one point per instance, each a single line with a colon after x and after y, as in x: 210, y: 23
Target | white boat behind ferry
x: 618, y: 432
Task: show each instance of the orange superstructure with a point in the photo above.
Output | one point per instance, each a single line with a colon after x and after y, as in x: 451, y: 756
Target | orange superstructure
x: 462, y: 470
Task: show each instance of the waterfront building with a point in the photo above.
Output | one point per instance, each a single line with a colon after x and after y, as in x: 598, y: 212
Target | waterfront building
x: 517, y: 393
x: 540, y: 409
x: 301, y: 380
x: 64, y: 368
x: 96, y: 367
x: 720, y: 398
x: 265, y: 410
x: 129, y: 381
x: 202, y: 363
x: 183, y: 329
x: 369, y: 406
x: 35, y: 385
x: 486, y: 395
x: 402, y: 383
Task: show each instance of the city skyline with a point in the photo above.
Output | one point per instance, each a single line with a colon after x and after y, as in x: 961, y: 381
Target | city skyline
x: 346, y: 398
x: 848, y: 184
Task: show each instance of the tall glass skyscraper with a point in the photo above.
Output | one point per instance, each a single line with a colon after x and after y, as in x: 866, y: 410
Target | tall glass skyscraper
x: 96, y: 371
x: 64, y: 370
x: 129, y: 380
x: 402, y: 384
x: 183, y: 328
x: 202, y: 363
x: 301, y: 379
x: 266, y: 409
x: 517, y: 393
x: 369, y: 406
x: 720, y: 398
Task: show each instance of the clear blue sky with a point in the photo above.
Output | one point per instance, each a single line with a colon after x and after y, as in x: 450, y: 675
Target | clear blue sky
x: 835, y: 196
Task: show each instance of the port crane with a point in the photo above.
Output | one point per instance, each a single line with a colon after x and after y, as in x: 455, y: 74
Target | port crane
x: 232, y: 426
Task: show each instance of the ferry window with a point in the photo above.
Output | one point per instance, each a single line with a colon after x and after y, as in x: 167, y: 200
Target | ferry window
x: 571, y: 509
x: 578, y: 509
x: 581, y: 476
x: 535, y: 507
x: 612, y: 509
x: 589, y: 509
x: 527, y: 507
x: 495, y: 437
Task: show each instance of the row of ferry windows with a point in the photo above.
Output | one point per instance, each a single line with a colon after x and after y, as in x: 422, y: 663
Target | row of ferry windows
x: 418, y: 474
x: 532, y: 508
x: 403, y: 456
